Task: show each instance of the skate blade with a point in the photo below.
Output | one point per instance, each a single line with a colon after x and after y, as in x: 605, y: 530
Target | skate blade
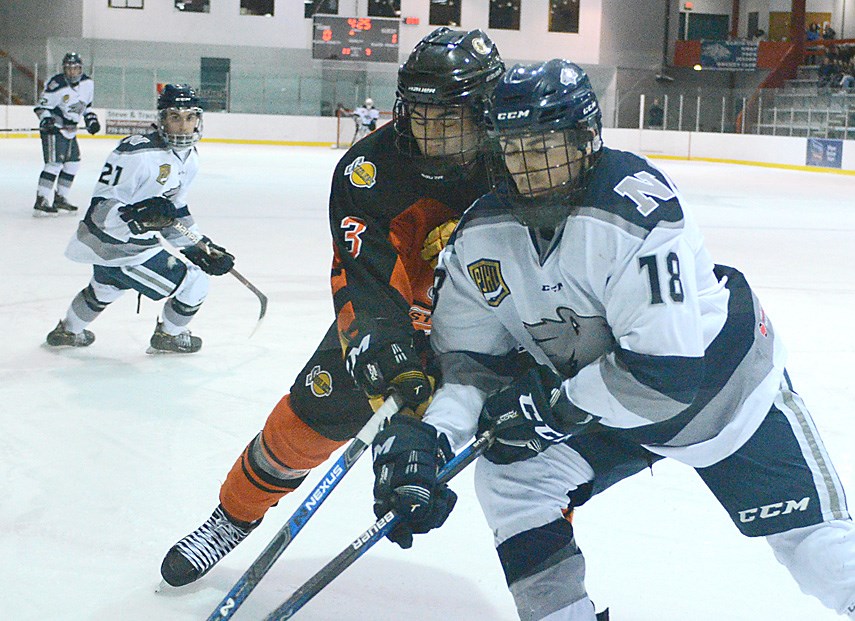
x: 38, y: 213
x: 151, y: 351
x: 166, y: 352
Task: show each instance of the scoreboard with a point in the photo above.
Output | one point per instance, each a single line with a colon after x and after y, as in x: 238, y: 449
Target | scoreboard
x: 355, y: 38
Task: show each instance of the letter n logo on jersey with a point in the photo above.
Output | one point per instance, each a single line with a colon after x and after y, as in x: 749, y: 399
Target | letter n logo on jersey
x: 163, y: 173
x: 362, y: 174
x: 487, y: 276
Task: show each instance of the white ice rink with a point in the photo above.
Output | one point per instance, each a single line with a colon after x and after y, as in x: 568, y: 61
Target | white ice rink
x: 108, y: 455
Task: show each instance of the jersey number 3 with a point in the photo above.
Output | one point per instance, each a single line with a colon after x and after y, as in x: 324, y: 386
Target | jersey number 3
x: 353, y: 229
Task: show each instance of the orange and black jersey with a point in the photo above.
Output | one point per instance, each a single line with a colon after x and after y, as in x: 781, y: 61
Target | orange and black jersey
x: 381, y: 210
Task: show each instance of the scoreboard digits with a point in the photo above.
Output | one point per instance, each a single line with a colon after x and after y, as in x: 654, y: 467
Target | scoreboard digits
x: 355, y: 38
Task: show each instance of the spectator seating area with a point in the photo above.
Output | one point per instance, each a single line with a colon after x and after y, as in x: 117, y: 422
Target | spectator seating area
x: 819, y: 102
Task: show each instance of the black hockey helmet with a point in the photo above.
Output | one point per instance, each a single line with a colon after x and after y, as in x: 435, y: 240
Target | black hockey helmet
x: 448, y: 75
x: 178, y: 97
x: 72, y: 67
x: 545, y: 125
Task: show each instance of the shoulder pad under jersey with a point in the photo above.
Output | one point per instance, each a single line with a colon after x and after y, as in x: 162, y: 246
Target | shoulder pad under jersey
x: 628, y: 191
x: 139, y: 142
x: 55, y: 83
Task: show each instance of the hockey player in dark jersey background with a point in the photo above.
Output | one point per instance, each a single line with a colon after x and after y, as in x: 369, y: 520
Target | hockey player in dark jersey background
x: 66, y: 99
x: 395, y: 198
x: 140, y: 194
x: 586, y: 257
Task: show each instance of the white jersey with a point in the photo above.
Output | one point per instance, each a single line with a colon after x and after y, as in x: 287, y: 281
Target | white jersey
x: 67, y: 103
x: 366, y: 116
x: 624, y: 302
x: 141, y: 167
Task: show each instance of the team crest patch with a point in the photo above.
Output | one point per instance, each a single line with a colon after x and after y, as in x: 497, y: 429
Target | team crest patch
x: 319, y: 381
x: 487, y: 276
x: 361, y: 173
x: 480, y: 46
x: 163, y: 173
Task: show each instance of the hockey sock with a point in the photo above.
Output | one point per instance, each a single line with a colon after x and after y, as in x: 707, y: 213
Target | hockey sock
x: 273, y: 464
x: 66, y: 177
x: 176, y: 316
x: 86, y: 306
x: 546, y: 560
x: 47, y: 179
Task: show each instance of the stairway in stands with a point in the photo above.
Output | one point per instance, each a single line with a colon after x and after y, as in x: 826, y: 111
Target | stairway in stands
x: 803, y: 108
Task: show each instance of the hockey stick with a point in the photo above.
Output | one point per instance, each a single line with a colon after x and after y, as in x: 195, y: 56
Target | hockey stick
x: 375, y: 533
x: 281, y: 540
x: 197, y: 241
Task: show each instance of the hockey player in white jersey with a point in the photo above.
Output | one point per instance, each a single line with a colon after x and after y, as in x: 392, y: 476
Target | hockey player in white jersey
x: 365, y: 117
x: 587, y: 258
x: 65, y: 100
x: 141, y: 193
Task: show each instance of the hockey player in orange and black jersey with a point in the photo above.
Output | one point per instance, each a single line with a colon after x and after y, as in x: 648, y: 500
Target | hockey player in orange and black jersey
x: 394, y: 201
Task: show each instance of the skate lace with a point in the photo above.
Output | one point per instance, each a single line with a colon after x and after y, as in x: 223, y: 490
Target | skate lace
x: 211, y: 541
x: 183, y: 339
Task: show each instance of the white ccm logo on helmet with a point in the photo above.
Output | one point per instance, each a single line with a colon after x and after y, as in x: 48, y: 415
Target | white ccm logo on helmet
x: 514, y: 114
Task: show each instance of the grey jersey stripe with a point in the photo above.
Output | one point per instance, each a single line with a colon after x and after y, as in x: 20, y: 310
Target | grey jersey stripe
x: 617, y: 221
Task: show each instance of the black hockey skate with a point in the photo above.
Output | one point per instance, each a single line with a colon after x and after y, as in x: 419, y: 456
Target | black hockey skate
x: 60, y: 337
x: 163, y: 343
x: 603, y: 616
x: 195, y: 555
x: 59, y: 203
x: 43, y: 208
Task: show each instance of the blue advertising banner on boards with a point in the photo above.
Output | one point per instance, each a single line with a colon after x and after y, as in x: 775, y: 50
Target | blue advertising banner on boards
x: 824, y: 152
x: 729, y: 55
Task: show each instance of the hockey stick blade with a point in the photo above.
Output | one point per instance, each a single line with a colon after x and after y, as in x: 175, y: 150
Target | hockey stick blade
x: 197, y: 241
x: 282, y: 539
x: 366, y: 540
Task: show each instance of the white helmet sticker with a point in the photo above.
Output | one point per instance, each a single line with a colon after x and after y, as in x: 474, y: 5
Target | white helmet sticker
x: 569, y: 76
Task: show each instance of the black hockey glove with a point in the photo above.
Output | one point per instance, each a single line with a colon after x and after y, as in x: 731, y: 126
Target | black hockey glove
x: 529, y: 415
x: 151, y: 214
x: 407, y: 457
x: 92, y: 124
x: 383, y: 359
x: 213, y: 259
x: 48, y: 125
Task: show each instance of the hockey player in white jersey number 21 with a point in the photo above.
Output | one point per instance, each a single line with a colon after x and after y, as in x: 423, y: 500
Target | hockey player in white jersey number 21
x: 141, y: 193
x: 586, y: 257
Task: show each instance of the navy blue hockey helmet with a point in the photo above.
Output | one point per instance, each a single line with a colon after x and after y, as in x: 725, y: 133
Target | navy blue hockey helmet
x: 72, y: 67
x: 441, y: 97
x: 545, y: 123
x: 174, y: 98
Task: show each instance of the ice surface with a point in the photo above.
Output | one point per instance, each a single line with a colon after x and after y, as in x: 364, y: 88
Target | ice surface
x: 108, y: 455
